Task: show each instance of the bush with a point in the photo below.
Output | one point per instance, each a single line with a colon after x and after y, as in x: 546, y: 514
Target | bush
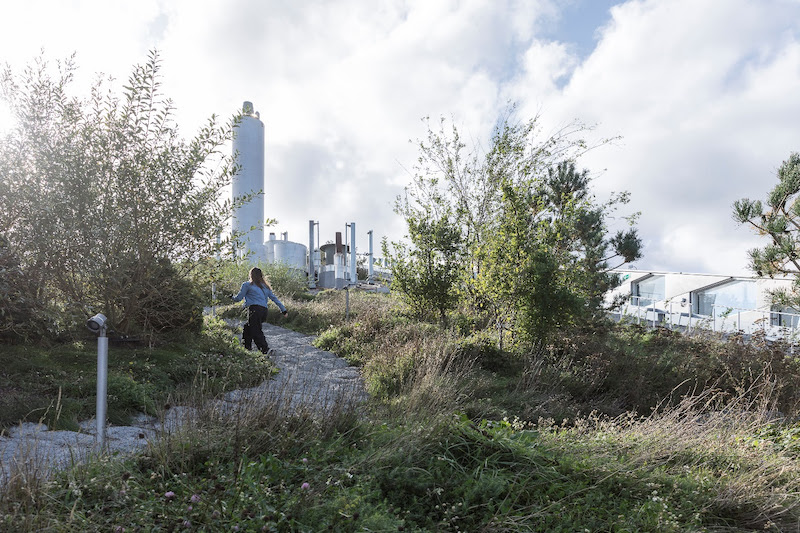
x: 168, y: 301
x: 633, y: 368
x: 21, y: 309
x: 229, y: 275
x: 57, y: 384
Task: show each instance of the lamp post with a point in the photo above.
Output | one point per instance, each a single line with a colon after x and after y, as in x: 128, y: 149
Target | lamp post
x: 97, y: 324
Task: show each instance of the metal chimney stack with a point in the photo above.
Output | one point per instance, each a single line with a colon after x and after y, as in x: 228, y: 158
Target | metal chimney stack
x: 248, y: 151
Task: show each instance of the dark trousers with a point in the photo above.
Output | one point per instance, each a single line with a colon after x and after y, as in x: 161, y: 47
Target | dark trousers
x: 252, y: 331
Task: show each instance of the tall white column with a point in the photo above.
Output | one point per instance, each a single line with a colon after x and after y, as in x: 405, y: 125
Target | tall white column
x: 248, y: 152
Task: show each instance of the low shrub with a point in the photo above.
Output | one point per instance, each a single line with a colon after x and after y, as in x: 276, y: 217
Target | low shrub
x: 227, y: 278
x: 634, y: 368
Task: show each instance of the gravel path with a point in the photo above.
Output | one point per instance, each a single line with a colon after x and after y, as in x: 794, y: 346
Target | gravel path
x: 308, y: 378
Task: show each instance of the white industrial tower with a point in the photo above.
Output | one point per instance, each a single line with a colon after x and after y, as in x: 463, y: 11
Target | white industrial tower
x: 248, y: 151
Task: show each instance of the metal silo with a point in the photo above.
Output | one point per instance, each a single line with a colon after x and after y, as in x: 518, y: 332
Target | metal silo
x: 248, y: 151
x: 291, y: 254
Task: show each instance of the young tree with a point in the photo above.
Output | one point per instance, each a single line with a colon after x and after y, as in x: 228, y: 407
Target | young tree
x: 581, y: 237
x: 534, y: 243
x: 780, y: 223
x: 426, y: 274
x: 108, y: 207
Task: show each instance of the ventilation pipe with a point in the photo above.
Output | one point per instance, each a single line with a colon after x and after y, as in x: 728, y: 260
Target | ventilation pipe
x: 312, y: 274
x: 353, y: 275
x: 371, y: 258
x: 338, y: 262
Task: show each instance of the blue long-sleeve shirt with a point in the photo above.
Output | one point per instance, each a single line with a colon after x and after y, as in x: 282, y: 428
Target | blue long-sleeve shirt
x: 255, y: 295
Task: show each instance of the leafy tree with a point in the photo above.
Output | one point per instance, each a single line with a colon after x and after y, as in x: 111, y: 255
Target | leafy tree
x: 466, y: 181
x: 105, y: 205
x: 20, y: 302
x: 426, y: 274
x: 580, y: 234
x: 522, y: 281
x: 547, y: 262
x: 780, y: 223
x: 534, y: 243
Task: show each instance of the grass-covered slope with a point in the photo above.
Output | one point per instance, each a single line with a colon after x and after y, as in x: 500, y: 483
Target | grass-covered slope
x: 604, y: 430
x: 56, y: 383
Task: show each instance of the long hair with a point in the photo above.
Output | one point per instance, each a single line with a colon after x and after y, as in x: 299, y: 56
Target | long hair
x: 257, y: 278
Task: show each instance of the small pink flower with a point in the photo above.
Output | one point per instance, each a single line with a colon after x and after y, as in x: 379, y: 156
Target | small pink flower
x: 305, y: 460
x: 187, y: 524
x: 195, y: 498
x: 169, y: 495
x: 305, y: 486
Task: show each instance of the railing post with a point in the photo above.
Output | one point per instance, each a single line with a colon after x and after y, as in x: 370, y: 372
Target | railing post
x: 654, y: 313
x: 638, y: 311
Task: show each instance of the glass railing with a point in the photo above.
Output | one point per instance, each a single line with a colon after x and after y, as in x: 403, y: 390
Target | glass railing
x: 678, y: 315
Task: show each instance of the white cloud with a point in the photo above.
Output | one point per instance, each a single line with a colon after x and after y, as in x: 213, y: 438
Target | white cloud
x: 701, y: 91
x: 704, y: 93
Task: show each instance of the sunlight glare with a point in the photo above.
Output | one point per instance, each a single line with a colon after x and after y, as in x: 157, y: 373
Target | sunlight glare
x: 6, y: 118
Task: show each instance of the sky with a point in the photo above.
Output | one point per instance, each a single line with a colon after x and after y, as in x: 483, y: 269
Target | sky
x: 704, y: 95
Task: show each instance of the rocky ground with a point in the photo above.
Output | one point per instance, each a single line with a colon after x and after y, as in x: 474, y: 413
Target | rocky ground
x: 307, y: 378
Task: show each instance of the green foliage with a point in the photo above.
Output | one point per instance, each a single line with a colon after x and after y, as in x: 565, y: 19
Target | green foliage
x: 512, y: 234
x: 603, y: 369
x: 635, y: 369
x: 105, y: 206
x: 521, y: 278
x: 783, y: 438
x: 779, y: 223
x: 57, y: 384
x: 21, y: 307
x: 427, y: 273
x: 228, y: 276
x: 664, y: 473
x: 705, y: 462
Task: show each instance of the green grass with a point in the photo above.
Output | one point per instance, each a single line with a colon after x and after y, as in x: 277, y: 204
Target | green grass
x: 579, y: 435
x: 446, y: 473
x: 57, y: 384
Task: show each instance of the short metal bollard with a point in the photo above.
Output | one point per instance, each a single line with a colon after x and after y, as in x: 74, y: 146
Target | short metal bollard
x: 97, y: 324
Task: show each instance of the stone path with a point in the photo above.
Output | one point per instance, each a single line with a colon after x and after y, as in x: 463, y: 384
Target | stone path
x: 308, y: 378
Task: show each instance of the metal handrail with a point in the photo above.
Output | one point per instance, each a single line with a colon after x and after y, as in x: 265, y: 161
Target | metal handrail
x: 652, y: 312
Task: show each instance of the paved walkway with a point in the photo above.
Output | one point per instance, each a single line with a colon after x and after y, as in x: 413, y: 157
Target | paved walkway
x: 308, y: 378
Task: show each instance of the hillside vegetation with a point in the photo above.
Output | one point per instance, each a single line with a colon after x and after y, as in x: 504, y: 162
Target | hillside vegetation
x: 607, y: 429
x: 502, y: 399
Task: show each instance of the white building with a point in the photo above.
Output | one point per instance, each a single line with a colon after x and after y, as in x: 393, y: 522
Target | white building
x: 687, y: 301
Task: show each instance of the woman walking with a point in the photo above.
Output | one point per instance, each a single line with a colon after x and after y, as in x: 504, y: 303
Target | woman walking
x: 256, y: 294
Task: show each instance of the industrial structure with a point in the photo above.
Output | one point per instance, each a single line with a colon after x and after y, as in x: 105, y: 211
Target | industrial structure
x: 248, y: 153
x: 690, y: 301
x: 676, y: 300
x: 329, y: 266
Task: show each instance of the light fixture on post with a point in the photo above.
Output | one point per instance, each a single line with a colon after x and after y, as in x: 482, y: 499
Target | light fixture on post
x: 98, y: 325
